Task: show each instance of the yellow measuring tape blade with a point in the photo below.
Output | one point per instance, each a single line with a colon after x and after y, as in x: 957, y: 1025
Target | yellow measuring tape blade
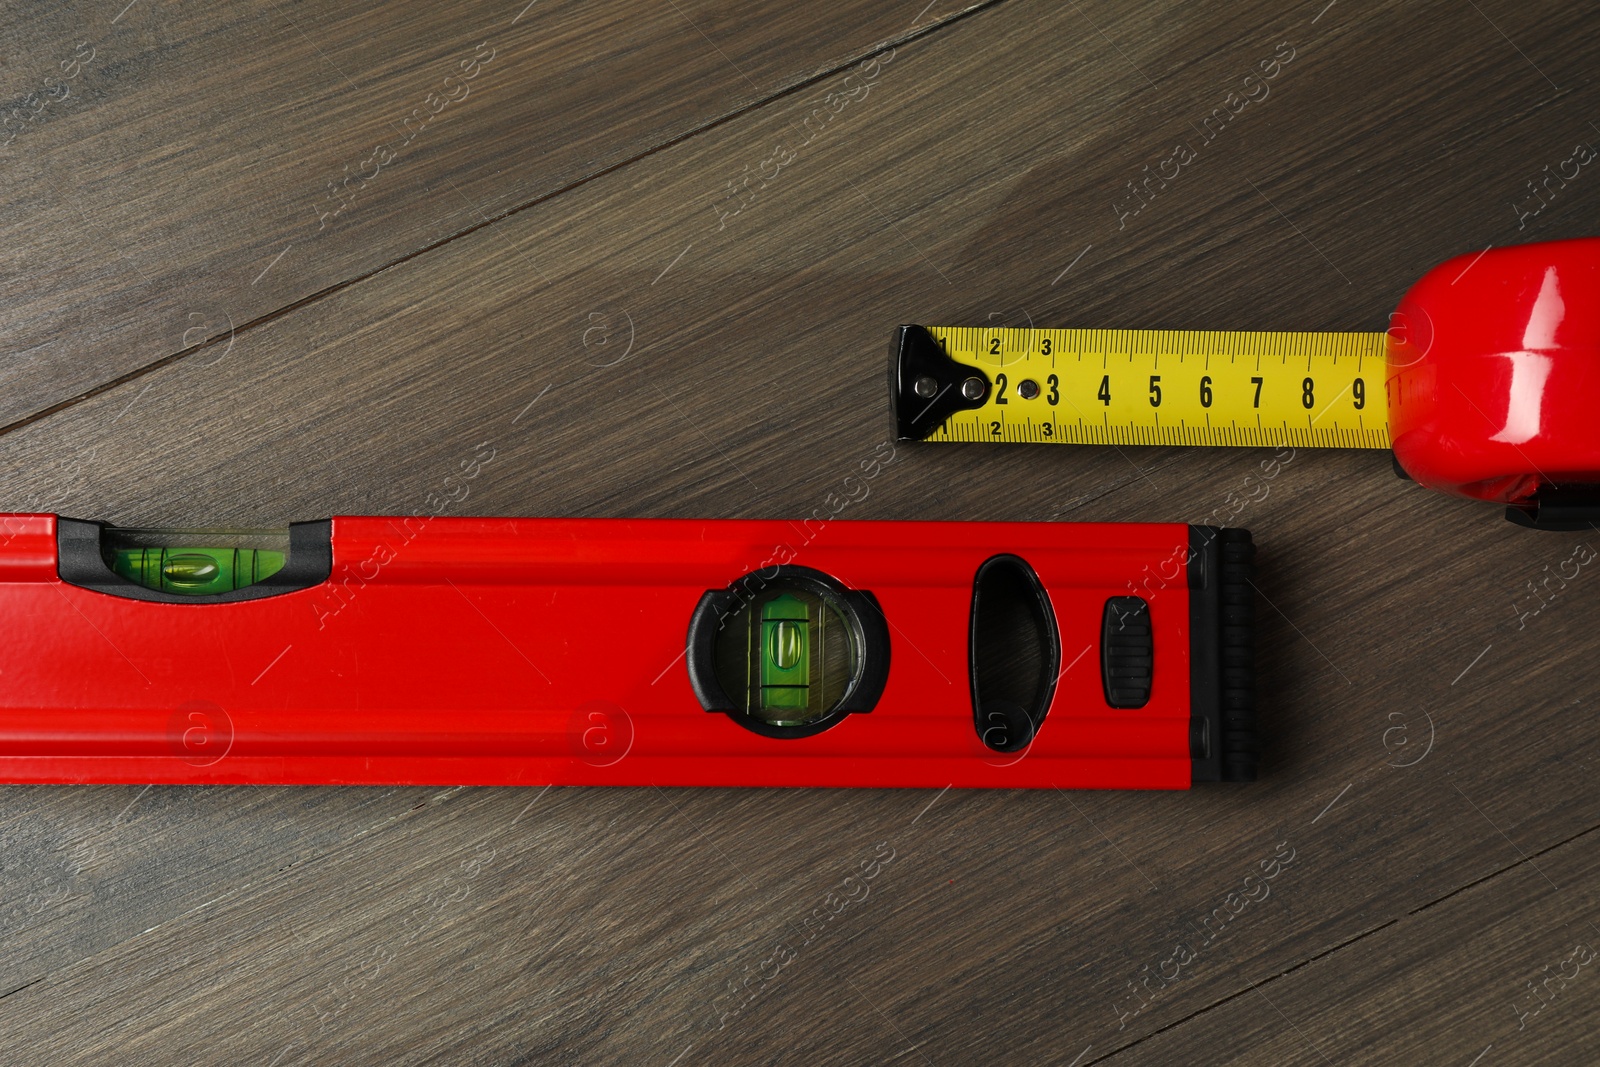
x: 1172, y: 387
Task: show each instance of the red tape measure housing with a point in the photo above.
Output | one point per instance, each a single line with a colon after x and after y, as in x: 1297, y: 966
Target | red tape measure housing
x: 1494, y: 380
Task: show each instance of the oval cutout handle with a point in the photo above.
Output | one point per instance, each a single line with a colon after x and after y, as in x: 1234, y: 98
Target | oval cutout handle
x: 1015, y: 653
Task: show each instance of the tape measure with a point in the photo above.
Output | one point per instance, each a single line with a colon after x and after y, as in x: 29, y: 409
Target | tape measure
x: 1486, y: 384
x: 438, y: 650
x: 1147, y: 387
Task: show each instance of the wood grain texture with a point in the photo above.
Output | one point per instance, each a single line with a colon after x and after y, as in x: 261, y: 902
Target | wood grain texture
x: 635, y: 346
x: 1519, y: 948
x: 208, y: 166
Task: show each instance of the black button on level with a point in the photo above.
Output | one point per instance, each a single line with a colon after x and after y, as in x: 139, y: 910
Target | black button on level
x: 1127, y: 652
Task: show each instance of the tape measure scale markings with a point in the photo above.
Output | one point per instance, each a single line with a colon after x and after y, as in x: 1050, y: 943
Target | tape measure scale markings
x: 1484, y: 385
x: 1142, y: 387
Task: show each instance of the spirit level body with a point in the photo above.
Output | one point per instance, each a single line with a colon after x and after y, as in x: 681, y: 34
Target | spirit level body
x: 536, y: 651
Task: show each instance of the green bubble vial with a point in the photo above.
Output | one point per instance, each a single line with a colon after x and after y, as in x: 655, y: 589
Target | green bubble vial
x: 197, y: 570
x: 785, y: 656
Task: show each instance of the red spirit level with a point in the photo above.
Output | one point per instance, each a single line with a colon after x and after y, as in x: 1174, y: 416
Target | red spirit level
x: 630, y: 652
x: 1487, y: 384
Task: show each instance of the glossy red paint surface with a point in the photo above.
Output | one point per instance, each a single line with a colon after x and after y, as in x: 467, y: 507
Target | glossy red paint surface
x: 1494, y: 372
x: 535, y: 651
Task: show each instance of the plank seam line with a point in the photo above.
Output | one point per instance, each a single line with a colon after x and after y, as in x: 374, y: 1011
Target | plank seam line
x: 1235, y: 995
x: 24, y: 985
x: 1347, y: 942
x: 487, y: 221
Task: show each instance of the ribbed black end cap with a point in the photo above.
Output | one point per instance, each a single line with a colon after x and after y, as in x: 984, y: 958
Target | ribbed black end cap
x: 1224, y: 743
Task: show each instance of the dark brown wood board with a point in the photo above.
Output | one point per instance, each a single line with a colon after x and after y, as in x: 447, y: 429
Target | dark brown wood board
x: 635, y: 331
x: 177, y: 172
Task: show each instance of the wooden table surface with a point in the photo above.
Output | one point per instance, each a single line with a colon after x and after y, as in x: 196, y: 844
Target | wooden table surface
x: 278, y: 261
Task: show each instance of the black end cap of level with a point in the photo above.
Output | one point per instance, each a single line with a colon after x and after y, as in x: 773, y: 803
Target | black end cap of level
x: 1224, y: 745
x: 915, y: 356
